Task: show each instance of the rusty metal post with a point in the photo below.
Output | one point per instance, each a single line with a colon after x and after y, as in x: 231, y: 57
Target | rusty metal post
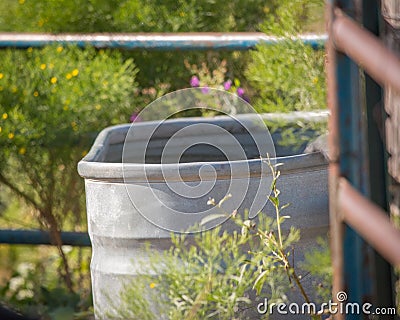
x: 356, y: 150
x: 346, y: 152
x: 336, y: 224
x: 349, y: 148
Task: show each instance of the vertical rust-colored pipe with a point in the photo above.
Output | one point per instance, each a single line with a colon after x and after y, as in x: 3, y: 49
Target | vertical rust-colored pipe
x: 336, y: 225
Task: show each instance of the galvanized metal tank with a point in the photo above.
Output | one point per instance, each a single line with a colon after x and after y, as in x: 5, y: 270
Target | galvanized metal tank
x: 118, y: 227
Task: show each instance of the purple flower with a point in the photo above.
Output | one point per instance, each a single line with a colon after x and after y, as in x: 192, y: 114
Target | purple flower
x: 205, y: 90
x: 228, y: 84
x: 194, y: 81
x: 240, y: 91
x: 135, y: 117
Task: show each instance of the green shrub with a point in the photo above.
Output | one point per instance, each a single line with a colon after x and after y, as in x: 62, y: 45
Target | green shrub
x: 56, y: 16
x: 142, y: 16
x: 186, y: 16
x: 158, y: 68
x: 318, y: 262
x: 207, y: 276
x: 290, y: 75
x: 34, y: 287
x: 215, y: 275
x: 53, y: 102
x: 132, y: 15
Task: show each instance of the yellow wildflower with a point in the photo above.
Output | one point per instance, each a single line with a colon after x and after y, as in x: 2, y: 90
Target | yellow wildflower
x: 5, y: 116
x: 68, y: 76
x: 75, y: 72
x: 43, y: 66
x: 152, y: 285
x: 10, y: 135
x: 65, y: 108
x: 22, y: 151
x: 98, y: 107
x: 36, y: 94
x: 21, y: 1
x: 53, y: 80
x: 315, y: 80
x: 1, y: 76
x: 14, y: 89
x: 84, y: 153
x: 59, y: 49
x: 74, y: 126
x: 29, y: 49
x: 0, y: 129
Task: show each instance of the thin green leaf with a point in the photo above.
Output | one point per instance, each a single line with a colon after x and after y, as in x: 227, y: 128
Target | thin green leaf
x: 212, y: 217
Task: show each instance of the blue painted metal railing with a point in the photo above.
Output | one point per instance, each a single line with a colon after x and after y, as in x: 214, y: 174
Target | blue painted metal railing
x: 37, y: 237
x: 155, y: 41
x: 133, y: 41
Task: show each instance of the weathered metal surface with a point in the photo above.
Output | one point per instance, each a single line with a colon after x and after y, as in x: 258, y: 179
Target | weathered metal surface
x: 350, y: 153
x: 370, y: 221
x: 376, y: 154
x: 118, y: 230
x: 335, y: 222
x: 366, y: 49
x: 37, y: 237
x: 357, y: 151
x: 154, y: 41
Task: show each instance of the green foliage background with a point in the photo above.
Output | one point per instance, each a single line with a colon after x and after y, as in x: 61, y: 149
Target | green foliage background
x: 53, y: 101
x: 158, y: 68
x: 291, y: 75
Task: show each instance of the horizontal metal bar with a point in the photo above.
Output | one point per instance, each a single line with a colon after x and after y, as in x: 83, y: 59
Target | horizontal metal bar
x: 370, y: 221
x: 154, y: 41
x: 367, y: 50
x: 36, y: 237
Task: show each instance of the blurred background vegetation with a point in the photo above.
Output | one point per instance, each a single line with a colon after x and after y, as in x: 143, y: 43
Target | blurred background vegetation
x: 53, y: 102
